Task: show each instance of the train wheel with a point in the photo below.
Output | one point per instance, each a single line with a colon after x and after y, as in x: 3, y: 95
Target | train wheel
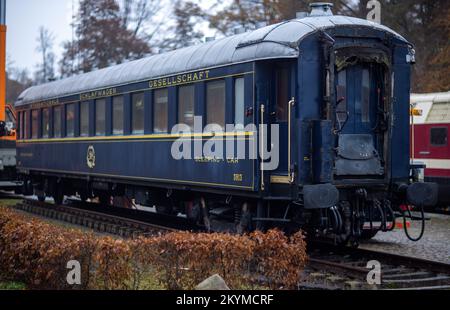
x: 104, y: 199
x: 41, y: 197
x: 83, y: 196
x: 58, y: 196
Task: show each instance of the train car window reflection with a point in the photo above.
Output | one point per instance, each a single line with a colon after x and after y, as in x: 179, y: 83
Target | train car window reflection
x: 160, y: 111
x: 34, y: 124
x: 138, y: 113
x: 70, y: 120
x: 57, y: 122
x: 239, y: 103
x: 215, y: 103
x: 282, y: 99
x: 84, y: 119
x: 365, y: 102
x: 100, y: 117
x: 45, y: 123
x: 439, y: 136
x: 186, y: 98
x: 118, y: 115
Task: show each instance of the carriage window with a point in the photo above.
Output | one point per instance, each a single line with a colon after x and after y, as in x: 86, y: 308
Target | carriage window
x: 45, y: 123
x: 26, y: 128
x: 439, y: 136
x: 70, y: 120
x: 215, y: 103
x: 186, y: 98
x: 21, y: 135
x: 100, y: 117
x: 57, y: 122
x: 34, y: 124
x: 365, y: 102
x: 84, y: 119
x: 282, y: 80
x: 239, y: 103
x: 118, y: 115
x: 138, y: 113
x: 160, y: 111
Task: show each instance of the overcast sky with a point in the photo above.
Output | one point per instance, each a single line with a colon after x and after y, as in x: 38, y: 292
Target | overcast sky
x: 24, y: 17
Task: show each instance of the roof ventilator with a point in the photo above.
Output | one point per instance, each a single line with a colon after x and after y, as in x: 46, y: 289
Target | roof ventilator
x: 301, y: 15
x: 321, y: 9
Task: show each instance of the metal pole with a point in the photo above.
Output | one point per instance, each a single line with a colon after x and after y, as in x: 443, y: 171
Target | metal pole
x: 2, y: 12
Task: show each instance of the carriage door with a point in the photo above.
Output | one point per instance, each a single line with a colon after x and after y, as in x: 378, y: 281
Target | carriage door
x: 279, y: 114
x: 359, y: 93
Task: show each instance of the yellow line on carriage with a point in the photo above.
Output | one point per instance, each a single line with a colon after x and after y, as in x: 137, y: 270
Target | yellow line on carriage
x: 142, y: 137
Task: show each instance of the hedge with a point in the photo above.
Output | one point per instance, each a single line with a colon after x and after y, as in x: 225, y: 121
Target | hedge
x: 36, y: 253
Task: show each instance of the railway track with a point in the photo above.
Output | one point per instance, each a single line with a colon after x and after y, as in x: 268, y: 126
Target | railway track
x: 120, y: 222
x: 348, y: 267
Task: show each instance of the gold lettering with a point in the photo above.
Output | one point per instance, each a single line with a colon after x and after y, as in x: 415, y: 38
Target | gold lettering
x: 238, y: 177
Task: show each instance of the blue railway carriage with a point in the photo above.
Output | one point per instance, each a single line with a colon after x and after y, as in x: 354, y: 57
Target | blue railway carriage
x: 336, y: 88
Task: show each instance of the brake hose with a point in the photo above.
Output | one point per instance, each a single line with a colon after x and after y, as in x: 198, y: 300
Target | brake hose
x: 387, y: 205
x: 405, y: 227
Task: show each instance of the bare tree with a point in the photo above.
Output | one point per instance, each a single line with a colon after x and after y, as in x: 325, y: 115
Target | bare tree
x: 46, y: 69
x: 137, y: 14
x: 17, y: 80
x: 187, y: 15
x: 103, y: 39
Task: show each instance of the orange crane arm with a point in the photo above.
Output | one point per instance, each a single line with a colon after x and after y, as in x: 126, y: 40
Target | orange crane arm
x: 2, y: 60
x: 2, y: 72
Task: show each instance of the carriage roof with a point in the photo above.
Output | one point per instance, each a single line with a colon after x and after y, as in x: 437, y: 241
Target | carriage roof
x: 434, y: 108
x: 271, y: 42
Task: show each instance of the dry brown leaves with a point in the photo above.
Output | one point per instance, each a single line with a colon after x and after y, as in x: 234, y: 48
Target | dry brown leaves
x: 37, y: 253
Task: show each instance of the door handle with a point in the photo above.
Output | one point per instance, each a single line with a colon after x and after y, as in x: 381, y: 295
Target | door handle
x: 424, y: 153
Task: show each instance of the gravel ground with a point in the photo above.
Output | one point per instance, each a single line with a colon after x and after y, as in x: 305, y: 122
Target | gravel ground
x: 435, y: 245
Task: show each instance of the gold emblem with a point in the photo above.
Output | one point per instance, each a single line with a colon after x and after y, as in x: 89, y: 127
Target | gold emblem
x: 90, y: 158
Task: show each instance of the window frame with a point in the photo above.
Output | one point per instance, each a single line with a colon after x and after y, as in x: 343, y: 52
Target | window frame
x: 60, y: 135
x: 96, y: 119
x: 20, y: 127
x: 133, y: 117
x: 235, y: 110
x: 182, y: 119
x: 26, y: 124
x: 113, y: 103
x: 446, y: 136
x: 224, y: 105
x: 71, y: 105
x: 155, y: 117
x: 81, y: 118
x: 47, y: 134
x: 35, y: 130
